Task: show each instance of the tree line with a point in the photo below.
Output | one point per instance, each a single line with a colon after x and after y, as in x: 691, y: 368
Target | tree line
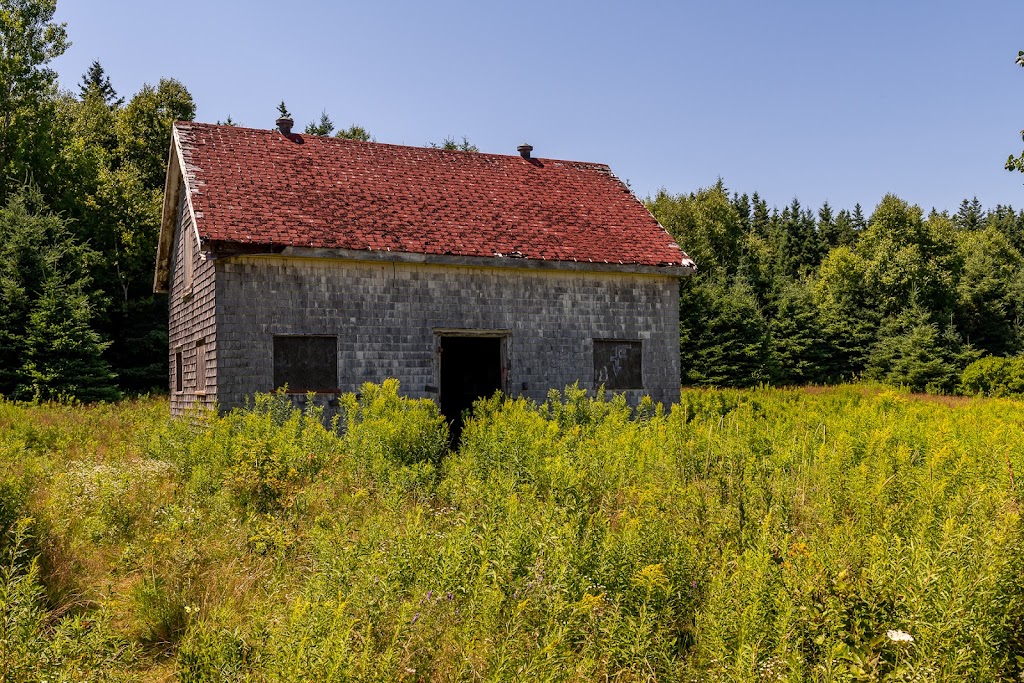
x: 81, y: 187
x: 812, y: 297
x: 935, y: 302
x: 788, y: 296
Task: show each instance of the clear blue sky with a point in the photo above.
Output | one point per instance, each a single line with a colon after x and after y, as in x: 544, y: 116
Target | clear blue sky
x: 843, y: 101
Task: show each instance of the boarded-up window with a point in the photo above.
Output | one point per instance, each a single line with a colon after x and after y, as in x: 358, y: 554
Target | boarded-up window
x: 201, y: 366
x: 187, y: 263
x: 179, y: 374
x: 617, y: 364
x: 306, y: 363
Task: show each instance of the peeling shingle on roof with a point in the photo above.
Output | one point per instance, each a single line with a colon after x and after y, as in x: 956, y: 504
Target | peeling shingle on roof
x: 260, y: 187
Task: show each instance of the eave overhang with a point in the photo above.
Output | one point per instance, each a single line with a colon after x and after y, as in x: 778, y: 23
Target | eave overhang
x: 175, y: 181
x: 224, y: 250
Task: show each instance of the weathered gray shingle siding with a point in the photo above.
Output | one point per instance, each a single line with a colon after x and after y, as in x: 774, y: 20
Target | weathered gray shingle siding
x: 192, y: 316
x: 385, y: 316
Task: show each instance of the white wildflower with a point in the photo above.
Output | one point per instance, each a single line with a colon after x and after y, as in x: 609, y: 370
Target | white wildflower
x: 898, y: 636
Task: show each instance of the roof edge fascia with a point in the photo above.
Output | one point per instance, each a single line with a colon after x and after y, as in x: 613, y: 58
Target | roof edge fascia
x: 225, y: 251
x: 176, y: 178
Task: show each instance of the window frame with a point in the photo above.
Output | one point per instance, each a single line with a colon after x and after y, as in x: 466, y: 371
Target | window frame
x: 188, y: 264
x: 598, y: 382
x: 179, y: 372
x: 201, y: 367
x: 277, y: 385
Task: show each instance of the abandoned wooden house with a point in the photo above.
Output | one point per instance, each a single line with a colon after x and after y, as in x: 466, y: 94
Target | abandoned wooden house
x: 319, y: 264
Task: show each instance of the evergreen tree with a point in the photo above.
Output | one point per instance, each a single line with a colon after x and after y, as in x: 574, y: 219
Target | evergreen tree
x: 857, y: 219
x: 63, y: 353
x: 812, y: 247
x: 797, y: 241
x: 23, y: 237
x: 322, y: 127
x: 1009, y: 223
x: 844, y: 232
x: 452, y: 145
x: 849, y: 321
x: 971, y: 215
x: 760, y: 220
x: 759, y: 268
x: 96, y: 83
x: 827, y: 227
x: 741, y: 205
x: 723, y: 336
x: 44, y: 285
x: 913, y: 351
x: 800, y: 353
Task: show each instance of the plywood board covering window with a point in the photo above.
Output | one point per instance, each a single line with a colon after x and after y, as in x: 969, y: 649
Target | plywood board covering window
x: 201, y: 367
x: 306, y: 363
x: 179, y: 374
x: 618, y: 364
x: 188, y: 264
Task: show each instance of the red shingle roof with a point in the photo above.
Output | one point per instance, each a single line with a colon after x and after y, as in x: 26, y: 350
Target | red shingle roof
x: 259, y: 187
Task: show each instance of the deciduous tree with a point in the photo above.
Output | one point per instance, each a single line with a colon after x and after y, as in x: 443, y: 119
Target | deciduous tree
x: 29, y: 40
x: 354, y: 132
x: 144, y: 127
x: 705, y: 222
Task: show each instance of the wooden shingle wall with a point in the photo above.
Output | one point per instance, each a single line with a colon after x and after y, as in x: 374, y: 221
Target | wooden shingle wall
x: 386, y: 315
x: 192, y: 317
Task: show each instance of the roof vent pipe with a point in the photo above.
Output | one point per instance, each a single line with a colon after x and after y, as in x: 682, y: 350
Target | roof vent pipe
x: 284, y: 124
x: 524, y: 150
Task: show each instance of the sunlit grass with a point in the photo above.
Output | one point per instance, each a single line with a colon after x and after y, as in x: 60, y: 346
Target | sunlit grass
x: 743, y: 535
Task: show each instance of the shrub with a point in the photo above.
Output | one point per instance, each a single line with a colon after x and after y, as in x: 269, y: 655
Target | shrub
x: 384, y: 428
x: 994, y: 376
x: 212, y: 654
x: 21, y: 617
x: 1007, y: 609
x: 36, y: 645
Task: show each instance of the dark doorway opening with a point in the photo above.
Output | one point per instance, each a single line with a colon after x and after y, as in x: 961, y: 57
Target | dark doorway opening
x: 470, y: 369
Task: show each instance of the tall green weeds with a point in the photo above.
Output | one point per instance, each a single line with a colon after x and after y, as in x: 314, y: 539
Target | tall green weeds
x: 836, y: 535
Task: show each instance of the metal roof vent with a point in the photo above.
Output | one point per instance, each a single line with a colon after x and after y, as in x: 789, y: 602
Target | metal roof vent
x: 524, y: 150
x: 284, y: 124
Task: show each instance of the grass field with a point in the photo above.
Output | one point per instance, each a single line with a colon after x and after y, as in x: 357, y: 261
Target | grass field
x: 845, y: 534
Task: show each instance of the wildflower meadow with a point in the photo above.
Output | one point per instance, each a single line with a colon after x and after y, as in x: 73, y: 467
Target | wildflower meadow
x: 843, y: 534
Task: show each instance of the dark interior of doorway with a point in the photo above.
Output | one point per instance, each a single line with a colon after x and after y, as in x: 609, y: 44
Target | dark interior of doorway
x: 470, y: 369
